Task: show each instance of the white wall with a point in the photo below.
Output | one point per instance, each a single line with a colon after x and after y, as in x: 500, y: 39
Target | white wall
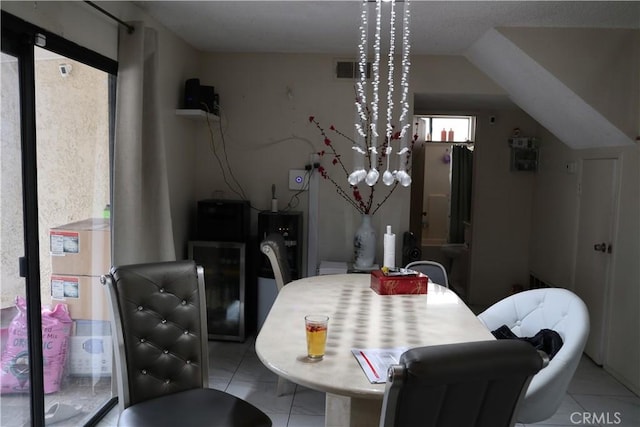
x: 257, y: 113
x: 554, y: 215
x: 600, y: 65
x: 501, y: 215
x: 553, y: 232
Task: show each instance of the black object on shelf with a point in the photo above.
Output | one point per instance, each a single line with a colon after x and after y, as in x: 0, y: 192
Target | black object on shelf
x: 207, y: 98
x: 192, y: 94
x: 224, y: 266
x: 289, y: 224
x: 411, y: 251
x: 223, y: 220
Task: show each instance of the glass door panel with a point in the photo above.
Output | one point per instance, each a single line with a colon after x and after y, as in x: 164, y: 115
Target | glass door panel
x: 55, y: 339
x: 14, y: 371
x: 72, y: 146
x: 224, y: 281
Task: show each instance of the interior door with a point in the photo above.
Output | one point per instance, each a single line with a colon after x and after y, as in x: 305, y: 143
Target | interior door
x: 593, y: 255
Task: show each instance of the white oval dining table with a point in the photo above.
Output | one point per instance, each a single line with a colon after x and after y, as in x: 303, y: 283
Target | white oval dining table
x: 358, y: 318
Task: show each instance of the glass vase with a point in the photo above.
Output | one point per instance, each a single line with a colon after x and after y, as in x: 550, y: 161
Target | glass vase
x: 364, y: 245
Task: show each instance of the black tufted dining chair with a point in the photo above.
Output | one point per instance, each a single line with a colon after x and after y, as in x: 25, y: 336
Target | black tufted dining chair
x: 160, y: 335
x: 470, y: 384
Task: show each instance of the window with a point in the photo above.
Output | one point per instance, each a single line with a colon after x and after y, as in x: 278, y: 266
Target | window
x: 441, y: 128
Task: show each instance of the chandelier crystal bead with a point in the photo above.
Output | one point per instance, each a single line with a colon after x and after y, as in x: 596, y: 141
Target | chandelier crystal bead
x: 366, y: 123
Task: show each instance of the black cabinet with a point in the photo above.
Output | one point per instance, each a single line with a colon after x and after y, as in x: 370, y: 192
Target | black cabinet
x: 223, y: 220
x: 225, y: 284
x: 289, y: 224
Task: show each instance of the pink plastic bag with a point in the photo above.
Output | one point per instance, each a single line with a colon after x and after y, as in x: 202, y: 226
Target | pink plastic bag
x: 14, y: 363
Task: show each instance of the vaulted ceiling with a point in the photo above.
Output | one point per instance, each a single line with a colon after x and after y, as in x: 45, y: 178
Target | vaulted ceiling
x: 437, y: 27
x: 324, y: 26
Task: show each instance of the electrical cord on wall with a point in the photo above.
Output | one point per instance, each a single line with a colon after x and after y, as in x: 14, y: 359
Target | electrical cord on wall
x: 291, y: 204
x: 240, y: 191
x: 290, y: 138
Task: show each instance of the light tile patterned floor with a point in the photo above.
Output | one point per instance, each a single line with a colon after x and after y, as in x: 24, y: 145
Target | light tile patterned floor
x: 235, y: 368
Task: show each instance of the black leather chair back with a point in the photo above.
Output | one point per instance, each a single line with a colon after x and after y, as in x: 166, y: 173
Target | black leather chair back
x: 163, y: 330
x: 476, y: 384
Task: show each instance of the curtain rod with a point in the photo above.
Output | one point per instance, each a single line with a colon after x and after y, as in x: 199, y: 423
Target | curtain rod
x: 130, y: 28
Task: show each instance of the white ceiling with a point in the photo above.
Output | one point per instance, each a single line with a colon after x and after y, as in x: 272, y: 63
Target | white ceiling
x: 324, y: 26
x: 437, y: 28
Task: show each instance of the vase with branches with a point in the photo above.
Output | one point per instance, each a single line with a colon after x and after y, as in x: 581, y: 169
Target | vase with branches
x: 365, y: 200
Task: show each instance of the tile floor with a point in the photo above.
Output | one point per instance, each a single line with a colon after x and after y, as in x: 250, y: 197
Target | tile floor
x: 236, y: 369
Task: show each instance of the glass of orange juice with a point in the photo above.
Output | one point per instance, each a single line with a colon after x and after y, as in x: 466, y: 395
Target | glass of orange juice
x: 316, y: 326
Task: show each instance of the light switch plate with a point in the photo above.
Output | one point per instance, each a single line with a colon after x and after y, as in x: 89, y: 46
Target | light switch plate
x: 298, y: 179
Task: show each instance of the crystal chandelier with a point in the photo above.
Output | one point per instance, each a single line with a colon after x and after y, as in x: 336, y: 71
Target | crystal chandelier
x: 366, y: 123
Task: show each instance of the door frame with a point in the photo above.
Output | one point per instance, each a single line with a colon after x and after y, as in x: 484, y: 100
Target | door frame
x: 16, y: 44
x: 613, y: 231
x: 18, y: 39
x: 417, y: 189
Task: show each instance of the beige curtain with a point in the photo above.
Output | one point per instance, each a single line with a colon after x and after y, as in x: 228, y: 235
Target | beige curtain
x: 142, y: 228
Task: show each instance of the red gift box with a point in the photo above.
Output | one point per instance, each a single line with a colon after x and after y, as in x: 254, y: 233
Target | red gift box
x: 398, y: 285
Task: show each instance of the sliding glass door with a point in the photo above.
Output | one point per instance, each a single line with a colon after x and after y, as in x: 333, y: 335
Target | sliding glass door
x: 14, y: 335
x: 54, y: 229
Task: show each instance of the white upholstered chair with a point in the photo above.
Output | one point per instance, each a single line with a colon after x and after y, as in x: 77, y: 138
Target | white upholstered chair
x: 526, y: 313
x: 273, y: 246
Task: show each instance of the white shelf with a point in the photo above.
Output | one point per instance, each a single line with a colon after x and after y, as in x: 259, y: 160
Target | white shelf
x: 196, y: 115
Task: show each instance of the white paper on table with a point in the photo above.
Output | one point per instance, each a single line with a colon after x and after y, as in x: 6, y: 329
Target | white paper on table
x: 375, y: 362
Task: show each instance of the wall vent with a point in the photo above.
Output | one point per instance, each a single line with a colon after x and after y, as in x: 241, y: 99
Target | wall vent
x: 350, y: 70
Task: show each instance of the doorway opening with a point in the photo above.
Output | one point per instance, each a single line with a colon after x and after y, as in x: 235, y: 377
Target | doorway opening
x: 447, y: 166
x: 442, y: 167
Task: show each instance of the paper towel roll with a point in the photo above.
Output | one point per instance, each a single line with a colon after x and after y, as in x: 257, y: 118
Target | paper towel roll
x: 389, y: 249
